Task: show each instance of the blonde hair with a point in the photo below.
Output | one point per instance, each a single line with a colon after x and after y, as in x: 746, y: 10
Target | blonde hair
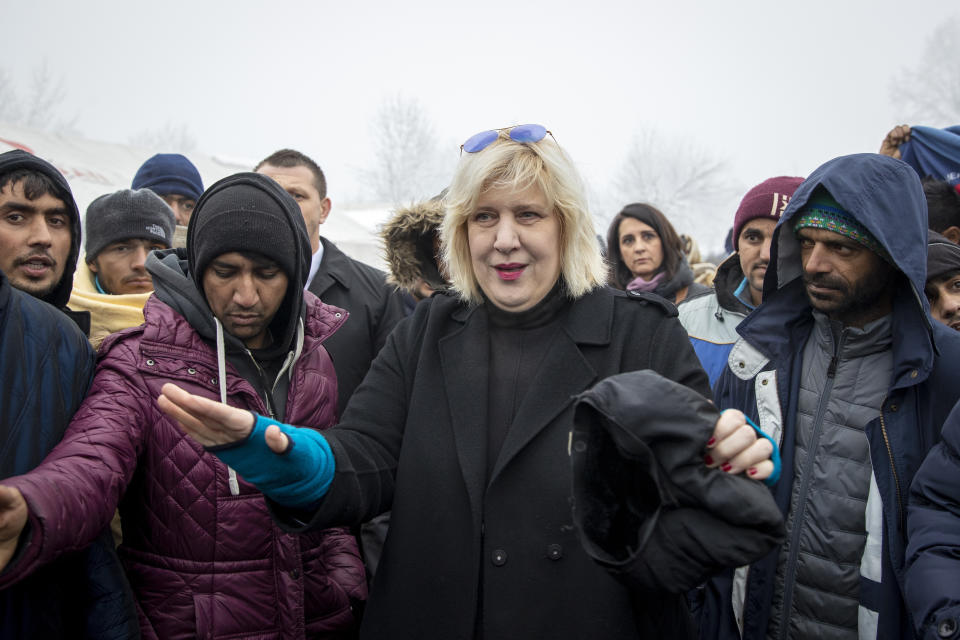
x: 518, y: 166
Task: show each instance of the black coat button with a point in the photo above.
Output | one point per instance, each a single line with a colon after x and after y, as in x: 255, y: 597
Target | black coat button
x: 295, y: 573
x: 947, y: 628
x: 498, y: 558
x: 554, y: 551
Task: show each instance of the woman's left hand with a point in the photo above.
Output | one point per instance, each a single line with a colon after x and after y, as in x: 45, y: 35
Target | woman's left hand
x: 735, y: 447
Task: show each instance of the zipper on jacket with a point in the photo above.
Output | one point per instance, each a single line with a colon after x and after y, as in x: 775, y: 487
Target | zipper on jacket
x: 288, y: 362
x: 791, y: 566
x: 832, y: 368
x: 267, y: 401
x: 896, y: 477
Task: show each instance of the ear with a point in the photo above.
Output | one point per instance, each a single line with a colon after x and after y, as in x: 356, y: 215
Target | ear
x: 94, y: 268
x: 952, y: 234
x: 325, y: 210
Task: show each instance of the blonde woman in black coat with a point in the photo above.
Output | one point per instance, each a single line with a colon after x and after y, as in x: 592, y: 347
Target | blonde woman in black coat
x: 463, y: 423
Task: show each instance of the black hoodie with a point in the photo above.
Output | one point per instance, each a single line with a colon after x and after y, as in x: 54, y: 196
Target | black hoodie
x: 175, y: 285
x: 58, y: 297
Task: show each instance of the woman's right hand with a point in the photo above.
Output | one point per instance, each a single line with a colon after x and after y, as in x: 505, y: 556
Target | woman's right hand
x: 212, y: 423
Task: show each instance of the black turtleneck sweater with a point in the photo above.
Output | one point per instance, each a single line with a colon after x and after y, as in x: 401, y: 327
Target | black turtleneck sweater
x: 518, y: 343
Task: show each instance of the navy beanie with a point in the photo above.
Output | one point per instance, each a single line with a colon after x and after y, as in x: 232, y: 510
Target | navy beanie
x: 169, y: 173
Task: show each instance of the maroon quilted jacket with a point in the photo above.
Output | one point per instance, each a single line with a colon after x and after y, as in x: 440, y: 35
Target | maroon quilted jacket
x: 203, y: 563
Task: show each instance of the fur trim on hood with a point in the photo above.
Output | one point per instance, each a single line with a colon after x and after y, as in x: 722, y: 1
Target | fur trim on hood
x: 408, y: 244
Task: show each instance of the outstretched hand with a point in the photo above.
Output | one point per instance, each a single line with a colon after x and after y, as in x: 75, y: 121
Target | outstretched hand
x: 896, y: 137
x: 735, y: 447
x: 13, y: 518
x: 213, y: 423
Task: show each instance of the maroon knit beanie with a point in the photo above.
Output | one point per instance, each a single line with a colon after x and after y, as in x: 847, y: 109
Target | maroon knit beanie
x: 766, y: 200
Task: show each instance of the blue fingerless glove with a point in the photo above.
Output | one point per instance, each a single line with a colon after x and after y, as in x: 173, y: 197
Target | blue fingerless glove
x: 775, y: 456
x: 298, y: 478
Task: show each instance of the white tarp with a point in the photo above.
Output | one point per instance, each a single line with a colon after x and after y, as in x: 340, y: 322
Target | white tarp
x: 94, y: 168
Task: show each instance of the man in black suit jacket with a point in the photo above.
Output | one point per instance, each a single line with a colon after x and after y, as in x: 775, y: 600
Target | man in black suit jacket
x: 374, y: 306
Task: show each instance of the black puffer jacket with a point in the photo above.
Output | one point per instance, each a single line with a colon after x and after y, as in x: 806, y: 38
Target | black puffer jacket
x: 647, y: 507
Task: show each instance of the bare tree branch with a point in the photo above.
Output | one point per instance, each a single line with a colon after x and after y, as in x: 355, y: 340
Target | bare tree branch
x: 41, y: 106
x: 681, y: 179
x: 929, y: 93
x: 408, y: 163
x: 10, y: 109
x: 167, y: 138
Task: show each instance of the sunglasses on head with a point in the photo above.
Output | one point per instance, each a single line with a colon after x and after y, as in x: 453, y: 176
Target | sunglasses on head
x: 517, y: 133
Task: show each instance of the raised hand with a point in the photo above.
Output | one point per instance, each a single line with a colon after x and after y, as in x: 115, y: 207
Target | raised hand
x: 896, y: 137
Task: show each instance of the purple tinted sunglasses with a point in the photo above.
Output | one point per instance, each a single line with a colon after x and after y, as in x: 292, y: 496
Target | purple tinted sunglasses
x: 517, y: 133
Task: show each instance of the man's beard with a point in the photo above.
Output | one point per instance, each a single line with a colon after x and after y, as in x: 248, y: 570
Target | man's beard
x: 851, y: 301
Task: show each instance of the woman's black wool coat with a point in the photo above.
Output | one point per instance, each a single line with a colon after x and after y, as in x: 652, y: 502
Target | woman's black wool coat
x: 466, y: 556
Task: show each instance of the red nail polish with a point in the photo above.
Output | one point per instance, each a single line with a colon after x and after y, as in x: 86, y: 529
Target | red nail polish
x: 752, y: 471
x: 711, y: 442
x: 727, y: 467
x: 708, y: 459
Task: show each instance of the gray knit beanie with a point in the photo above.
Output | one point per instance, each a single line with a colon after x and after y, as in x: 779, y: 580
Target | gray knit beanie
x: 127, y: 214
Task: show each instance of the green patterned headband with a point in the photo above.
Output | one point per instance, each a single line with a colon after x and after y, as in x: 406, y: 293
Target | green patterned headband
x: 823, y: 212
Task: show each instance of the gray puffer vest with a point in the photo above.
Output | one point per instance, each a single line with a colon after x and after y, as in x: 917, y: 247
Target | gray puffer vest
x: 845, y: 377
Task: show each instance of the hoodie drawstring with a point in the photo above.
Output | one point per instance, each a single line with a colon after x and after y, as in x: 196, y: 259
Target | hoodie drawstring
x: 222, y: 379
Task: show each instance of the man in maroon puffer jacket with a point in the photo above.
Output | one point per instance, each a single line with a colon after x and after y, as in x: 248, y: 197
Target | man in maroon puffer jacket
x: 228, y: 320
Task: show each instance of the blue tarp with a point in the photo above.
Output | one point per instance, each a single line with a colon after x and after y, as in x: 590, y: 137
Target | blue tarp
x: 934, y: 152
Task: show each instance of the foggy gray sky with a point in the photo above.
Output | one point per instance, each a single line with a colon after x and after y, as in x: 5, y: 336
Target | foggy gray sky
x: 774, y: 87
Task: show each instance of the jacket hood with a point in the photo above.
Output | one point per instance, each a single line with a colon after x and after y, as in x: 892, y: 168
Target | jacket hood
x: 408, y: 245
x: 173, y: 285
x: 290, y: 315
x: 886, y: 197
x: 883, y: 194
x: 17, y: 159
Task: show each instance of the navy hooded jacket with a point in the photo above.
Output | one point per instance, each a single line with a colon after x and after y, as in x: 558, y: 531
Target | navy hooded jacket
x: 933, y: 521
x: 884, y: 195
x: 46, y: 366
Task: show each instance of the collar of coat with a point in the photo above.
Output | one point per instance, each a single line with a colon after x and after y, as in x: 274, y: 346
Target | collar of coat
x: 334, y: 266
x: 585, y: 324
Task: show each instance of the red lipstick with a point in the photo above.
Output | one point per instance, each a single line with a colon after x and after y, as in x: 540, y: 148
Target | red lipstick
x: 510, y: 270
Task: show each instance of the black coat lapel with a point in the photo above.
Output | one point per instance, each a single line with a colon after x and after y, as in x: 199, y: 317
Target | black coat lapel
x: 563, y: 373
x: 465, y: 360
x: 332, y: 268
x: 320, y: 283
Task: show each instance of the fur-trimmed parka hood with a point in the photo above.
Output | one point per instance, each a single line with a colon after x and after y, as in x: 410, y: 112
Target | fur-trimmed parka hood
x: 408, y: 239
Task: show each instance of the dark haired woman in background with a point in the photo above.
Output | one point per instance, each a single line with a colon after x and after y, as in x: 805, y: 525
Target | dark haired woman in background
x: 646, y: 254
